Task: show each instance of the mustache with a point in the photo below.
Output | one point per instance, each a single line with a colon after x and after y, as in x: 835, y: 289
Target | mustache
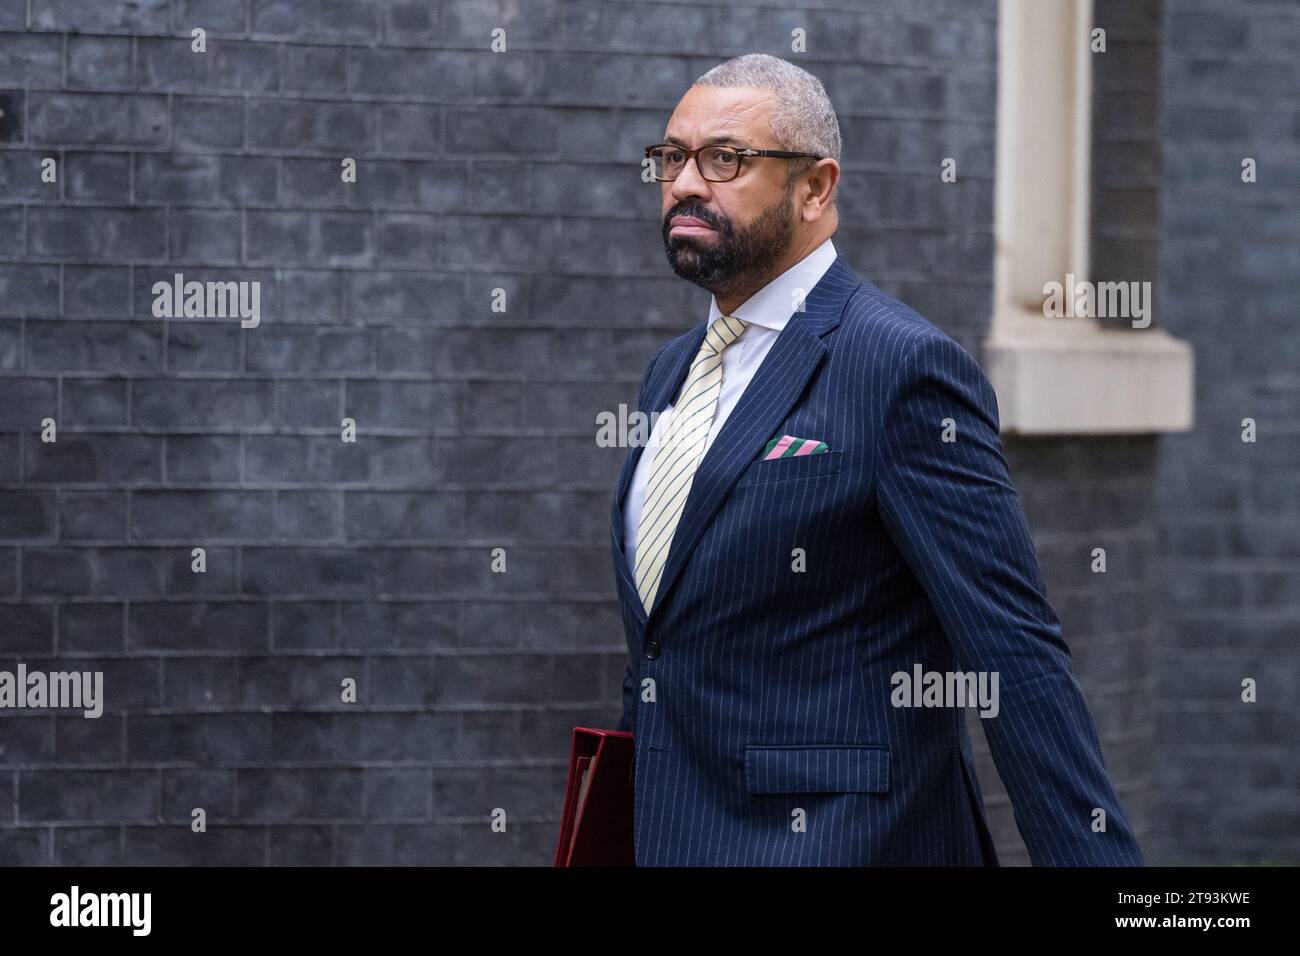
x: 694, y: 213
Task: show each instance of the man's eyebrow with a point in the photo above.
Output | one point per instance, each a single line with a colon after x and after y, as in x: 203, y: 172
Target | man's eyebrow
x: 713, y: 141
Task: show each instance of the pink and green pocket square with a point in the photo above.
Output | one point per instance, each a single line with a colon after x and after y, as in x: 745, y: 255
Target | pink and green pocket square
x: 788, y: 446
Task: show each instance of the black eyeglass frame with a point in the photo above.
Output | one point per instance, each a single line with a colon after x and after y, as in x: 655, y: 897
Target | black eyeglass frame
x: 737, y: 150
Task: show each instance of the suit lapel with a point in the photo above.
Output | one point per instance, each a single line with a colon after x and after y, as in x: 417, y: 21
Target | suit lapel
x: 775, y: 387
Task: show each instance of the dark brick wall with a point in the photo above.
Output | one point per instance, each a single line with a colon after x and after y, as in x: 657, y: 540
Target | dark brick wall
x: 1228, y: 772
x: 326, y: 560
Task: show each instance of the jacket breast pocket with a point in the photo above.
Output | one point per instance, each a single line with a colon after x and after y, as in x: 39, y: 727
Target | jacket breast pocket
x: 817, y: 768
x: 796, y: 466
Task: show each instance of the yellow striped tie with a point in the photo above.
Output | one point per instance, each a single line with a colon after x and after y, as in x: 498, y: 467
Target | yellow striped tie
x: 678, y: 454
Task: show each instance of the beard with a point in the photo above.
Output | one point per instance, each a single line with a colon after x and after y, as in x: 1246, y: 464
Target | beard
x: 732, y: 257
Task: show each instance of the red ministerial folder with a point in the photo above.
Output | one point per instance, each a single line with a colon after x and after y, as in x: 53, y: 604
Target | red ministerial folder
x: 596, y: 829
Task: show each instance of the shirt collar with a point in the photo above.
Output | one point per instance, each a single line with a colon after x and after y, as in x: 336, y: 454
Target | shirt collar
x: 773, y: 305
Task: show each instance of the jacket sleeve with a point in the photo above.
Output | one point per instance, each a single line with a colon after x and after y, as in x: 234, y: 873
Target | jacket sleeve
x: 951, y: 510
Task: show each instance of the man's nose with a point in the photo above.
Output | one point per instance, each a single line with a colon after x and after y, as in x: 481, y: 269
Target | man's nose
x: 689, y: 183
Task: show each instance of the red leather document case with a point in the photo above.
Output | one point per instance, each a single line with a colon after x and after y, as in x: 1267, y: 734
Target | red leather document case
x: 596, y: 829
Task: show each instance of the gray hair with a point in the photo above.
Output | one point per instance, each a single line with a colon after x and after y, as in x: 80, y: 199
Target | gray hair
x: 802, y: 120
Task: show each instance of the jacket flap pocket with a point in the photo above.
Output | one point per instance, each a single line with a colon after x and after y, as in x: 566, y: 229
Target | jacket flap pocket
x: 796, y: 466
x: 817, y: 768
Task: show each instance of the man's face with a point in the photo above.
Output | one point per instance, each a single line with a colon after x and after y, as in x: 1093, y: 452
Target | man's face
x: 748, y: 222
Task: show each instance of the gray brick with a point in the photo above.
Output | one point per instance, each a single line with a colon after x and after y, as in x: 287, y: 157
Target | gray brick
x: 219, y: 626
x: 30, y: 289
x: 13, y: 113
x: 95, y: 402
x: 32, y: 59
x: 501, y: 130
x: 396, y: 845
x: 307, y: 404
x: 87, y: 795
x: 308, y: 516
x: 181, y: 580
x: 397, y: 625
x: 302, y: 683
x: 197, y: 346
x: 171, y: 64
x: 177, y: 845
x: 338, y: 238
x: 288, y: 348
x: 91, y: 16
x: 383, y: 516
x: 324, y: 458
x: 82, y: 740
x: 27, y: 401
x: 206, y: 123
x: 28, y: 628
x: 92, y: 176
x: 415, y: 736
x: 87, y: 846
x: 211, y: 790
x: 28, y: 739
x: 8, y: 571
x: 338, y: 572
x: 504, y: 187
x: 472, y: 23
x: 91, y: 571
x: 203, y: 458
x: 204, y: 235
x: 27, y: 514
x: 28, y: 846
x: 410, y: 129
x: 13, y: 242
x: 434, y: 186
x: 522, y: 792
x: 10, y: 458
x: 198, y: 740
x: 97, y: 233
x: 203, y: 404
x: 101, y: 291
x: 205, y: 179
x: 122, y: 119
x: 385, y: 296
x: 95, y: 346
x: 200, y: 683
x: 432, y: 72
x: 92, y: 627
x: 206, y: 515
x: 311, y: 124
x: 412, y: 21
x: 316, y: 69
x: 425, y: 406
x: 398, y: 794
x: 300, y: 846
x: 99, y: 62
x: 299, y: 794
x: 94, y: 458
x: 403, y: 681
x: 314, y: 19
x: 305, y: 625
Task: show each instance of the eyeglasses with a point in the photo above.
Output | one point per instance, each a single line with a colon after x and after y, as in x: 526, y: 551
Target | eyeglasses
x: 717, y: 164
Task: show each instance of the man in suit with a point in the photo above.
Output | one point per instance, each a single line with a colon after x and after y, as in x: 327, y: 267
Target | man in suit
x: 823, y: 512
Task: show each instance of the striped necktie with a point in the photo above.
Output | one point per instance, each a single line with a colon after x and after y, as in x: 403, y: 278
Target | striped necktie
x: 678, y: 454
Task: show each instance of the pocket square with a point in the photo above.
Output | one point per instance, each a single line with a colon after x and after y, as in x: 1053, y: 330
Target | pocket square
x: 788, y: 446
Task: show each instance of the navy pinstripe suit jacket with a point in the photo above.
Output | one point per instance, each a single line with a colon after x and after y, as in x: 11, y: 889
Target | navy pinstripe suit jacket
x: 756, y: 691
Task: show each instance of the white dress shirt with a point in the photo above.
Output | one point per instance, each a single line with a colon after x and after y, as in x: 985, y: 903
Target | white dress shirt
x: 766, y: 312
